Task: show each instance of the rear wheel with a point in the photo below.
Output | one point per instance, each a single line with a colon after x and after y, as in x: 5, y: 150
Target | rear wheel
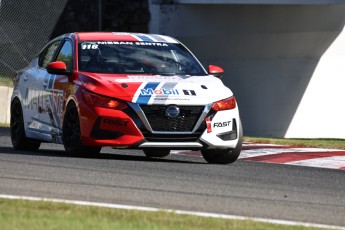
x: 18, y: 138
x: 71, y: 134
x: 156, y: 152
x: 216, y: 156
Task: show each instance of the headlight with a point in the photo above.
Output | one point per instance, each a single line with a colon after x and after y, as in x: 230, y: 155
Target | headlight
x: 105, y: 102
x: 229, y: 103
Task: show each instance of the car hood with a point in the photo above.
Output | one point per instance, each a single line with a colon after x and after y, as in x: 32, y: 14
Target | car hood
x: 157, y: 89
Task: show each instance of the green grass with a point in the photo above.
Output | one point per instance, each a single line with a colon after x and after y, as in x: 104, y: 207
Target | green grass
x: 318, y: 143
x: 4, y: 125
x: 21, y: 214
x: 6, y: 81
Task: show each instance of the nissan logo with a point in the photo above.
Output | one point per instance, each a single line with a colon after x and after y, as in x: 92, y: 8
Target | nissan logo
x: 172, y: 111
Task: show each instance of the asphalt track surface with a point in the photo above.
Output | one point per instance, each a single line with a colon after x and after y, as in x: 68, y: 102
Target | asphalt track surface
x: 246, y: 188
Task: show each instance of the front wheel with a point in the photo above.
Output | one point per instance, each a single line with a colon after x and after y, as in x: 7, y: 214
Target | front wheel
x: 156, y: 152
x: 71, y: 134
x: 226, y: 156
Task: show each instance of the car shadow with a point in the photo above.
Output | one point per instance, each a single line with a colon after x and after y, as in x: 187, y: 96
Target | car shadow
x: 102, y: 156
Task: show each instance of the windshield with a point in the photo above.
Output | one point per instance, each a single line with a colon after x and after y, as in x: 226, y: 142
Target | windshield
x: 137, y: 58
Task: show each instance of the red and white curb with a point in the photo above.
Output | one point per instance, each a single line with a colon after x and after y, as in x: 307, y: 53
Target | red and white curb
x: 281, y: 154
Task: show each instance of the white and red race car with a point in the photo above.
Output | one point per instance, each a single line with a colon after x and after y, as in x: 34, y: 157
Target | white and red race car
x: 125, y: 90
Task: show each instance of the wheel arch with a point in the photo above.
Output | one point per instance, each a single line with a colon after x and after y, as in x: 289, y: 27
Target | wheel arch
x: 16, y: 97
x: 13, y: 100
x: 77, y: 100
x: 70, y: 99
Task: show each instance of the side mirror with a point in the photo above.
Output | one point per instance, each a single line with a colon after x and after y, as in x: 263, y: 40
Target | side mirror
x: 58, y: 68
x: 215, y: 71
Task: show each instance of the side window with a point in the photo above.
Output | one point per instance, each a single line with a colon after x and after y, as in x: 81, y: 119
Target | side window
x: 65, y: 55
x: 48, y: 54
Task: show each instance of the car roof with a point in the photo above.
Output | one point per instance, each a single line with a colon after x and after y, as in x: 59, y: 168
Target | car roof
x: 122, y: 36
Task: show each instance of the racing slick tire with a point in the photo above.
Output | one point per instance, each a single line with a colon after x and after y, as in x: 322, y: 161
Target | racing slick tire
x: 156, y: 152
x: 18, y: 138
x: 226, y: 156
x: 71, y: 135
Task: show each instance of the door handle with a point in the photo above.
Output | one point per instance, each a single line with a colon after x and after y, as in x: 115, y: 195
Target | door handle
x: 25, y: 78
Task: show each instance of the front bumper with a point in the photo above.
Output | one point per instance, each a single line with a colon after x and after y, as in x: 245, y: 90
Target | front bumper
x: 134, y: 128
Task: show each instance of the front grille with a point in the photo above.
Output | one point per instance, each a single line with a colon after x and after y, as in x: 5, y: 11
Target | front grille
x: 160, y: 122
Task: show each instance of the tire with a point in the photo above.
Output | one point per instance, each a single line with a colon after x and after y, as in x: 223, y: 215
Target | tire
x: 18, y: 138
x: 71, y: 135
x: 227, y: 156
x: 156, y: 152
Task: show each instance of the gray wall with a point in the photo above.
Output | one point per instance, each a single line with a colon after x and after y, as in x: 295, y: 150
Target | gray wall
x: 269, y: 52
x: 290, y: 2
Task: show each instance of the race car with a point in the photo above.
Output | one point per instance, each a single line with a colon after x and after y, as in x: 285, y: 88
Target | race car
x: 87, y: 90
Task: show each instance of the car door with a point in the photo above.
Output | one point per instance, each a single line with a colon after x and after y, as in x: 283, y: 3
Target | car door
x: 54, y: 89
x: 34, y: 94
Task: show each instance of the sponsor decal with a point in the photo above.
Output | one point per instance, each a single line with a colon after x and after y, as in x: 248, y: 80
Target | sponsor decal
x: 92, y: 46
x: 170, y: 99
x: 150, y: 44
x: 143, y: 78
x: 189, y: 92
x: 150, y: 91
x: 155, y: 77
x: 143, y: 98
x: 44, y: 101
x: 114, y: 122
x: 221, y: 124
x: 114, y: 43
x: 110, y: 123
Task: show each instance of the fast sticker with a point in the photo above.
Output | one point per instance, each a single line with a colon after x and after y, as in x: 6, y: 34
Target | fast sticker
x: 110, y: 123
x: 221, y: 124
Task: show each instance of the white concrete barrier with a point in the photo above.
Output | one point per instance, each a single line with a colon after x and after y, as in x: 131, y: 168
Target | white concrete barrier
x: 285, y: 63
x: 5, y: 104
